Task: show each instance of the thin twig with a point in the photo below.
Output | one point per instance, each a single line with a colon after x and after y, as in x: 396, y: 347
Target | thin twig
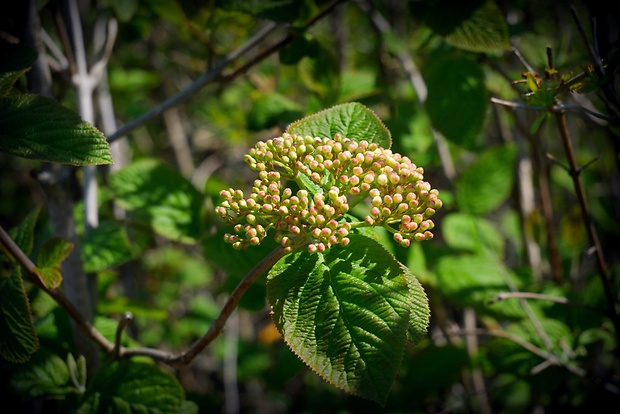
x: 548, y: 298
x: 195, y: 86
x: 218, y: 325
x: 122, y: 324
x: 556, y: 108
x: 31, y: 271
x: 601, y: 264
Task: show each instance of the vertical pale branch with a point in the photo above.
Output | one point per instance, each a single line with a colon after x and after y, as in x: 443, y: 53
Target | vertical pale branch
x: 584, y: 206
x: 84, y: 85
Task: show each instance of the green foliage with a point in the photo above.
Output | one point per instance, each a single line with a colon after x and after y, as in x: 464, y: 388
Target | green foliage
x: 345, y: 313
x: 134, y: 386
x: 352, y: 120
x: 487, y: 182
x: 160, y: 197
x: 457, y: 98
x: 515, y: 293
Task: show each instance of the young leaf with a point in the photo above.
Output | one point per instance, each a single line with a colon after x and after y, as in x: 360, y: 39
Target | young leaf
x: 127, y: 386
x: 352, y: 120
x: 346, y: 313
x: 47, y: 375
x: 160, y: 197
x: 488, y: 181
x: 39, y: 128
x: 18, y: 338
x: 49, y: 258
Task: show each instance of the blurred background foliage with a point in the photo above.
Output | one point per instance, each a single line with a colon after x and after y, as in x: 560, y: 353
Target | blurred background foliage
x: 511, y: 220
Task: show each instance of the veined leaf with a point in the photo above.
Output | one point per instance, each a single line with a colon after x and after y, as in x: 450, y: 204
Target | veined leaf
x: 18, y: 338
x: 485, y: 31
x: 161, y: 197
x: 127, y: 386
x: 346, y: 313
x: 47, y: 375
x: 353, y: 120
x: 39, y: 128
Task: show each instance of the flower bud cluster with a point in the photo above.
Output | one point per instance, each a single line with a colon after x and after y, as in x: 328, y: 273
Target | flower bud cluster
x: 338, y: 171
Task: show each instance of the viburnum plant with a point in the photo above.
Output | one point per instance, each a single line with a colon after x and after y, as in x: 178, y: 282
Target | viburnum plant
x: 342, y: 302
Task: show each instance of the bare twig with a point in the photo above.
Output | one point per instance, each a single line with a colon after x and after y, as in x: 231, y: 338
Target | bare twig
x: 548, y: 298
x: 218, y: 325
x: 555, y: 108
x: 198, y: 84
x: 122, y: 324
x: 601, y: 264
x: 31, y: 271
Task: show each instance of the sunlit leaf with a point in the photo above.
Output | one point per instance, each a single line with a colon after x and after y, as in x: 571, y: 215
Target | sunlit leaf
x: 346, y: 313
x: 352, y: 120
x: 39, y: 128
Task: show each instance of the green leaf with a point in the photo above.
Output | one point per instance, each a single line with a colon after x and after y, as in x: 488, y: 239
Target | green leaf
x: 471, y: 233
x: 272, y: 109
x: 77, y: 370
x: 47, y: 375
x: 39, y: 128
x: 353, y: 120
x: 23, y: 235
x: 488, y: 181
x: 18, y: 338
x: 474, y: 280
x: 50, y: 256
x: 457, y: 97
x: 105, y: 246
x: 346, y: 313
x: 8, y: 79
x: 485, y: 31
x: 132, y: 387
x: 161, y: 197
